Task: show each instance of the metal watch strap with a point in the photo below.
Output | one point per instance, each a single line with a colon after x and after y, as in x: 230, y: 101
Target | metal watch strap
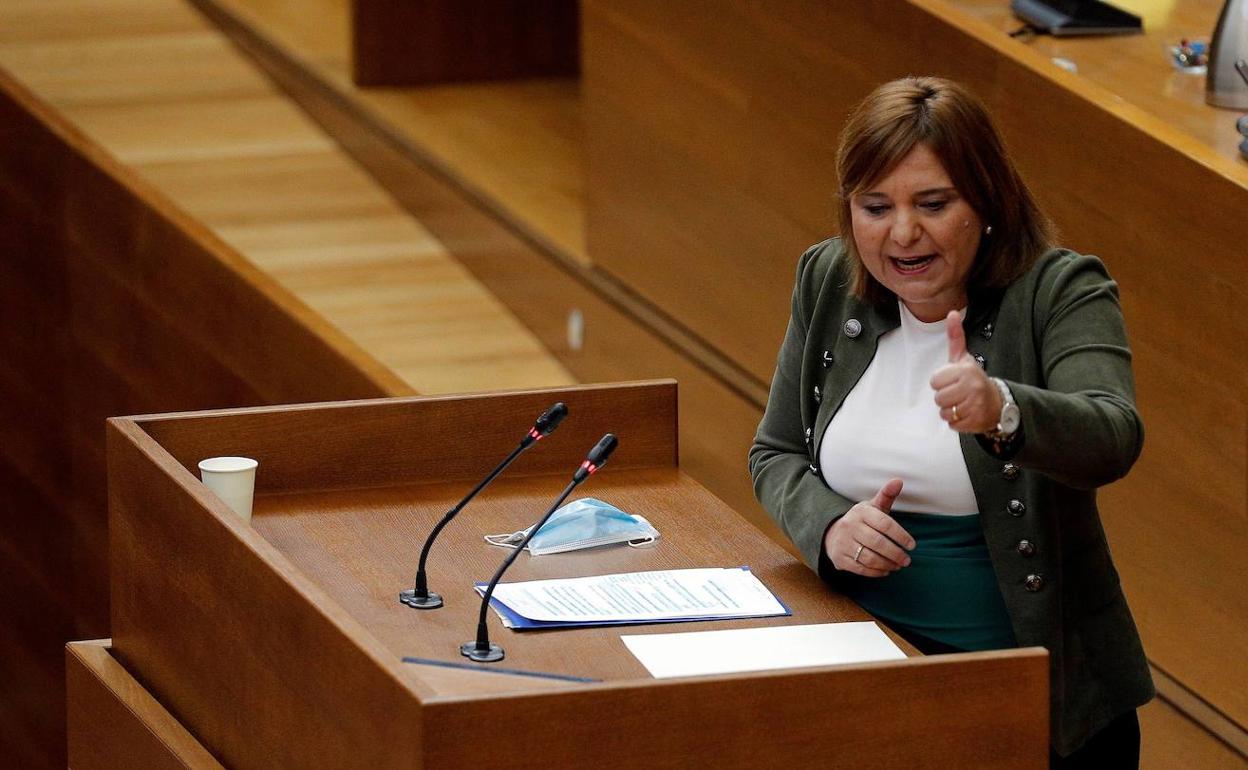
x: 998, y: 434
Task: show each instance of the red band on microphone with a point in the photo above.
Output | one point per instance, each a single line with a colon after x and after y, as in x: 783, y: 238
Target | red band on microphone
x: 587, y: 465
x: 534, y: 433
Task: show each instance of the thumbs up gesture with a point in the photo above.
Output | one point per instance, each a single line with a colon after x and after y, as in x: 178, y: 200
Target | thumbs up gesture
x: 957, y: 337
x: 867, y: 540
x: 967, y: 399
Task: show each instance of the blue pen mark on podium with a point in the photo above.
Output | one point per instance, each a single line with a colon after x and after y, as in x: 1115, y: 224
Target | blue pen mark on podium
x: 496, y: 670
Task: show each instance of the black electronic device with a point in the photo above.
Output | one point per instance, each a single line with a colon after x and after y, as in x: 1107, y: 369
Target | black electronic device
x: 1076, y: 17
x: 420, y: 597
x: 480, y: 649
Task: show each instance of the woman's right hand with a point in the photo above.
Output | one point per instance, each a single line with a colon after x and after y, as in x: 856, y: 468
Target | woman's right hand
x: 867, y: 540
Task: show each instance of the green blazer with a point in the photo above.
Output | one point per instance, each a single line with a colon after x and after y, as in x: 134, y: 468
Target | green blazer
x: 1056, y: 336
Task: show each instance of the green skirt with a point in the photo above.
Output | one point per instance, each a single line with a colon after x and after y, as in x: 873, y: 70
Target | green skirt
x: 948, y: 593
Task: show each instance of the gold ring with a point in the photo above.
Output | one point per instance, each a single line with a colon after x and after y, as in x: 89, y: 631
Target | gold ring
x: 955, y: 413
x: 860, y: 547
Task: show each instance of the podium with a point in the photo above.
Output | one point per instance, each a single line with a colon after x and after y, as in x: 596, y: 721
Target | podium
x: 280, y: 643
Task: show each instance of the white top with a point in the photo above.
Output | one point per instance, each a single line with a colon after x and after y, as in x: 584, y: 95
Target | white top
x: 889, y: 426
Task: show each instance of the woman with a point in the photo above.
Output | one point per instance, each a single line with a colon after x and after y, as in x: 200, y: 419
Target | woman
x: 950, y: 392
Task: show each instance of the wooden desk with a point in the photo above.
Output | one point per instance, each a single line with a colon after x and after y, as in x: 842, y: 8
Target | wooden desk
x: 1136, y: 69
x: 280, y: 644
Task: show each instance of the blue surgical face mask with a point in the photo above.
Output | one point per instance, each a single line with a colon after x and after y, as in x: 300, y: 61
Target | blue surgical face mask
x: 583, y: 523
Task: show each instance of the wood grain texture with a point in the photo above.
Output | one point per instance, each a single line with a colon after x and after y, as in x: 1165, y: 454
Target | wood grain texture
x: 728, y: 201
x: 717, y: 418
x: 32, y: 716
x: 408, y: 441
x: 312, y: 587
x: 1171, y: 740
x: 102, y: 310
x: 115, y: 301
x: 761, y: 720
x: 208, y: 130
x: 418, y: 42
x: 114, y: 722
x: 517, y: 146
x: 1137, y: 69
x: 247, y: 657
x: 790, y: 129
x: 360, y: 548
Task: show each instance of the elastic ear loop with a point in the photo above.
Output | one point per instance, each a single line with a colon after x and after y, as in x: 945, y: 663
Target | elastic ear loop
x: 505, y: 541
x: 643, y: 542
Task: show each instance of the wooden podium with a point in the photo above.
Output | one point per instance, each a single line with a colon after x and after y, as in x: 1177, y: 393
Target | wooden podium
x: 280, y: 644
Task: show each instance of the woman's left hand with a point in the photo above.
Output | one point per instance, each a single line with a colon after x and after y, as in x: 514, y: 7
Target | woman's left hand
x: 967, y: 399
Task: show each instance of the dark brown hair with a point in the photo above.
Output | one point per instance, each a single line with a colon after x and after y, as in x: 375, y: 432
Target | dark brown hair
x: 954, y: 124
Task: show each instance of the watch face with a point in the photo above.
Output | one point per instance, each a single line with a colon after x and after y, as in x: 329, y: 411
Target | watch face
x: 1010, y: 418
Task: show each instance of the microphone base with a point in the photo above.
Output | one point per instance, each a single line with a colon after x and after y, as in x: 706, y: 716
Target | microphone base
x: 430, y: 602
x: 469, y: 650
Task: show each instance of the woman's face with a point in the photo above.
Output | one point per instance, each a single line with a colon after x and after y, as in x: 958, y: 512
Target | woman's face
x: 917, y: 236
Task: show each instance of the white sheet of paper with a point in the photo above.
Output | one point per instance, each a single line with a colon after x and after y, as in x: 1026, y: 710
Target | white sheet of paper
x: 697, y: 653
x: 659, y: 595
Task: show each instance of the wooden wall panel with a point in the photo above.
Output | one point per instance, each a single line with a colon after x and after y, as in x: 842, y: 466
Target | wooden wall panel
x: 410, y: 42
x: 768, y: 85
x: 36, y: 620
x: 111, y: 302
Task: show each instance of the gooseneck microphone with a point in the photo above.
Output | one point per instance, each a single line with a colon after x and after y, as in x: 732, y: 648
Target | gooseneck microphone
x: 419, y: 597
x: 480, y: 649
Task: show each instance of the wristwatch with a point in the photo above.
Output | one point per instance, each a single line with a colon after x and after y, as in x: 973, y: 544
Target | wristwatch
x: 1010, y: 419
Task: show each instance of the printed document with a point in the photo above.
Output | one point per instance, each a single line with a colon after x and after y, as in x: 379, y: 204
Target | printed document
x: 641, y: 596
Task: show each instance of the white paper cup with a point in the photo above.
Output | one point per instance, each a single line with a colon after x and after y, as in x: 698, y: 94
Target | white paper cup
x: 233, y: 479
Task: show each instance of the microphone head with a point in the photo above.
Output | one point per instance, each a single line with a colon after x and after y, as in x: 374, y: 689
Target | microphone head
x: 550, y: 419
x: 596, y: 458
x: 602, y: 450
